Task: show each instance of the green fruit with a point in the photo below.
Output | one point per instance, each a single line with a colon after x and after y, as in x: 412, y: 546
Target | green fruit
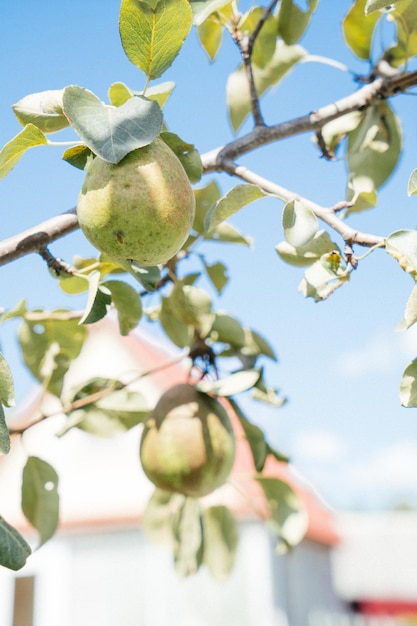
x: 187, y: 444
x: 141, y: 209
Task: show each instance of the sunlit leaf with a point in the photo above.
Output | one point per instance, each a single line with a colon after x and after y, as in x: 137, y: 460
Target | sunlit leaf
x: 408, y: 385
x: 6, y: 383
x: 13, y: 151
x: 119, y: 93
x: 289, y: 519
x: 306, y: 255
x: 233, y: 201
x: 40, y: 499
x: 202, y: 9
x: 231, y: 385
x: 180, y: 333
x: 43, y: 110
x: 14, y: 550
x: 410, y: 314
x: 293, y: 21
x: 358, y: 29
x: 361, y: 193
x: 147, y: 275
x: 378, y: 5
x: 226, y: 329
x: 153, y: 32
x: 192, y: 305
x: 77, y: 156
x: 402, y: 245
x: 99, y: 298
x: 112, y: 132
x: 210, y: 34
x: 256, y: 345
x: 324, y: 277
x: 217, y: 272
x: 238, y: 95
x: 4, y: 433
x: 254, y: 436
x: 221, y: 537
x: 299, y: 223
x: 412, y: 183
x: 265, y: 42
x: 127, y: 303
x: 188, y: 537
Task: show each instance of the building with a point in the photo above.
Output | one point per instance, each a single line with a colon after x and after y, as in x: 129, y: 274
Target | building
x: 100, y: 569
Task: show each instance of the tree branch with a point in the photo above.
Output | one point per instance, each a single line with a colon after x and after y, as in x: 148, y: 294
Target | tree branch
x: 222, y: 158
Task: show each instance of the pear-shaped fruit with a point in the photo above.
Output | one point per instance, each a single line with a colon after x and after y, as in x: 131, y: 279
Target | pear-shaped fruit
x: 187, y: 444
x: 141, y: 209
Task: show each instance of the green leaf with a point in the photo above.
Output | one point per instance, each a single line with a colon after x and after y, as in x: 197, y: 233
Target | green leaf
x: 289, y: 520
x: 99, y: 299
x: 147, y: 275
x: 221, y: 537
x: 4, y: 433
x: 157, y: 517
x: 231, y: 385
x: 238, y: 95
x: 255, y: 345
x: 112, y: 132
x: 153, y: 32
x: 217, y: 272
x: 307, y: 255
x: 361, y: 193
x: 187, y: 154
x: 40, y: 499
x: 265, y: 43
x: 233, y: 201
x: 262, y: 393
x: 6, y: 383
x: 210, y: 34
x: 14, y: 550
x: 410, y: 314
x: 48, y: 347
x: 254, y: 436
x: 192, y: 306
x: 179, y: 332
x: 12, y: 152
x: 408, y: 385
x: 375, y: 145
x: 119, y: 93
x: 412, y: 183
x: 188, y: 538
x: 299, y: 223
x: 77, y: 156
x: 293, y: 21
x: 358, y: 29
x: 127, y: 303
x: 43, y: 110
x: 377, y: 5
x: 402, y: 246
x: 226, y: 329
x: 202, y: 9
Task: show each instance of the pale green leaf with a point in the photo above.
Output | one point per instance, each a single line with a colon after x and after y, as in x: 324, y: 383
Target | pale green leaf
x: 231, y: 385
x: 78, y: 156
x: 152, y: 34
x: 43, y: 110
x: 233, y: 201
x: 299, y: 223
x: 293, y: 21
x: 378, y: 5
x: 202, y: 9
x: 221, y: 537
x: 12, y: 152
x: 375, y: 145
x: 358, y: 29
x: 361, y: 193
x: 289, y: 519
x: 324, y: 277
x: 217, y: 272
x: 412, y: 183
x: 226, y: 329
x: 188, y: 537
x: 156, y: 520
x: 112, y: 132
x: 238, y: 94
x: 147, y: 275
x: 14, y: 550
x: 256, y: 345
x: 127, y: 303
x: 408, y: 385
x: 4, y: 433
x: 410, y: 314
x: 402, y: 245
x: 6, y: 383
x: 40, y: 499
x: 99, y: 299
x: 210, y: 34
x: 254, y: 436
x: 180, y: 333
x: 307, y: 255
x: 192, y: 306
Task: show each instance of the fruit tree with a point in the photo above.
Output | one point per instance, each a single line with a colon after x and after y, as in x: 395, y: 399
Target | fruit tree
x: 152, y: 207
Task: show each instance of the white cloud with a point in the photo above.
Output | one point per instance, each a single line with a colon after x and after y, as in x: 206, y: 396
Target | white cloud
x: 383, y: 350
x: 317, y: 445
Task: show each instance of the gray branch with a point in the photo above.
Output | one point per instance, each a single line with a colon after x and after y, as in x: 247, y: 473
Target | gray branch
x: 221, y: 159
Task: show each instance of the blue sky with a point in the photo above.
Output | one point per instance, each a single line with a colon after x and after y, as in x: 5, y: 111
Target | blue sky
x: 340, y: 362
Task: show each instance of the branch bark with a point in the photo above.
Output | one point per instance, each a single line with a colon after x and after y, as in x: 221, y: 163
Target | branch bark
x: 221, y: 159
